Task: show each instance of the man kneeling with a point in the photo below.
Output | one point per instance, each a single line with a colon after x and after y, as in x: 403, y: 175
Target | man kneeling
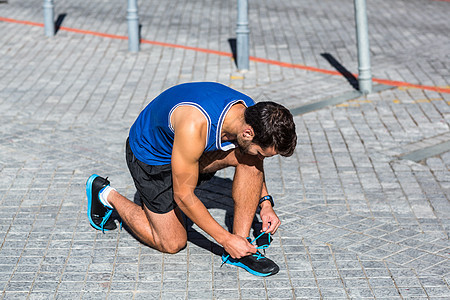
x: 182, y: 137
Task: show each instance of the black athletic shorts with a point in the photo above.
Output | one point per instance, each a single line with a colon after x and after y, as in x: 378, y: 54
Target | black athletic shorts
x: 154, y: 183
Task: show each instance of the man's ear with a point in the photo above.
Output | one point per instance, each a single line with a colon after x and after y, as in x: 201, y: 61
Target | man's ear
x: 248, y: 133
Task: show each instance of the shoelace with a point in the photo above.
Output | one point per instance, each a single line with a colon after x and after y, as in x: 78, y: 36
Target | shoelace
x: 258, y: 254
x: 105, y: 219
x: 108, y: 214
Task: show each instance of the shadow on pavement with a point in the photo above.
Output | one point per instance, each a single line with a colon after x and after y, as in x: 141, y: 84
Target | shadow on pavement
x: 233, y: 47
x: 59, y: 21
x: 341, y: 69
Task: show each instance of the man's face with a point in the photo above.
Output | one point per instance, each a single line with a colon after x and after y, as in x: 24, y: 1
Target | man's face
x: 248, y: 147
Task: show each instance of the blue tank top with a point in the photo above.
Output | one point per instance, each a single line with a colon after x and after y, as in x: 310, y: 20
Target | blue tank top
x: 151, y: 136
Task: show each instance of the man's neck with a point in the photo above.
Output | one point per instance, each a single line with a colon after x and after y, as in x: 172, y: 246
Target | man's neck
x: 234, y: 120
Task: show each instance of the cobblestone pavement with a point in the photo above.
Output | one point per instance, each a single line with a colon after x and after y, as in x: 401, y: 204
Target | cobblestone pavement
x: 359, y: 220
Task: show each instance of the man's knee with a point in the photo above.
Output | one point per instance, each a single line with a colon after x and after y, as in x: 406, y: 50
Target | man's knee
x: 249, y: 164
x: 174, y: 243
x: 173, y: 246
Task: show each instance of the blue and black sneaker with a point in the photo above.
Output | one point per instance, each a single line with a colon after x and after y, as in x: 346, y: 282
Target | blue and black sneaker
x: 98, y: 214
x: 256, y: 264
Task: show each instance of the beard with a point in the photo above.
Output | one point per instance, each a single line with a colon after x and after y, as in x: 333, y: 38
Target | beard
x: 243, y: 145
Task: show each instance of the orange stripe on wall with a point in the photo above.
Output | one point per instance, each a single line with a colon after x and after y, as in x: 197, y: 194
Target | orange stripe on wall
x: 227, y: 54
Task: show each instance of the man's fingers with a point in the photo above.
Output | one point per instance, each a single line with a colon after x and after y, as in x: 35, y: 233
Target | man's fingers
x: 278, y: 226
x: 251, y: 250
x: 273, y: 227
x: 265, y: 225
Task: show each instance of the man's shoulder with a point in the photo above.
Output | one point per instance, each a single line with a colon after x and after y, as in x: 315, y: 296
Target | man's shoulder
x: 188, y: 118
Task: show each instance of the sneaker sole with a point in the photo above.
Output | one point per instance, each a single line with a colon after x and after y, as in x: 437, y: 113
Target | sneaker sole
x: 239, y: 264
x: 89, y: 196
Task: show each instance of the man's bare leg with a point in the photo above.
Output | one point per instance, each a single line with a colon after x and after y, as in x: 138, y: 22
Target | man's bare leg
x: 247, y: 185
x: 164, y: 232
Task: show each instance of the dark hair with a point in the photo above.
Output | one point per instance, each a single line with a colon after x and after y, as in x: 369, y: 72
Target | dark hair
x: 273, y: 125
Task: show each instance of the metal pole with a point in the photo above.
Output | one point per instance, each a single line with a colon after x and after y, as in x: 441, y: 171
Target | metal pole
x: 362, y: 37
x: 49, y: 18
x: 242, y: 32
x: 133, y: 26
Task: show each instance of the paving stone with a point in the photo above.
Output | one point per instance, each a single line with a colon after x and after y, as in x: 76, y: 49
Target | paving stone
x: 356, y: 218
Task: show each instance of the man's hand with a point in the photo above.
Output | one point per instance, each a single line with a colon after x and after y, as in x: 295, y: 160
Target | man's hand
x: 270, y: 220
x: 237, y: 246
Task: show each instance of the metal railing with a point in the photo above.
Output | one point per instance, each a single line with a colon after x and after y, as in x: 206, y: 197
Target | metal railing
x: 132, y: 21
x: 242, y: 36
x: 362, y: 38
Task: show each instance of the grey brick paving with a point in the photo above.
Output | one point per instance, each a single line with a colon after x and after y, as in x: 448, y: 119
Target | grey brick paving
x: 358, y: 221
